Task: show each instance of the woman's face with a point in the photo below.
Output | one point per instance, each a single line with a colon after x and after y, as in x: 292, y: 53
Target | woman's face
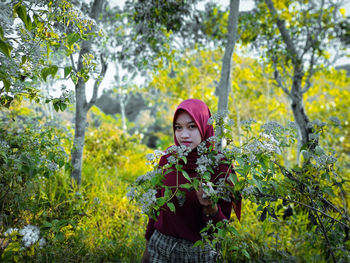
x: 186, y: 130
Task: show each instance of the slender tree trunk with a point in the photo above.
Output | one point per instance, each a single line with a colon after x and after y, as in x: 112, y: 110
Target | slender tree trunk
x: 82, y: 106
x: 296, y: 93
x: 79, y: 136
x: 225, y: 79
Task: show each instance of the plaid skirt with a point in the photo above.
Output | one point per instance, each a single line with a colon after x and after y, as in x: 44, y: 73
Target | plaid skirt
x: 163, y: 248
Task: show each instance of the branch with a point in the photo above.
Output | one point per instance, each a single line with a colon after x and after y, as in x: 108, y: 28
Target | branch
x: 323, y: 230
x: 98, y: 82
x: 278, y: 78
x: 73, y: 65
x: 260, y: 194
x: 284, y: 32
x: 310, y: 72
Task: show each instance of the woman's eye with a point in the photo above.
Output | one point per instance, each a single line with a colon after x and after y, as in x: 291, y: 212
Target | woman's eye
x: 193, y: 126
x: 177, y: 127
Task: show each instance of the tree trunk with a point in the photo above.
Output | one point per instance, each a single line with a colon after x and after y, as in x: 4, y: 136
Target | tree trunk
x: 223, y: 88
x: 81, y: 105
x: 296, y: 93
x: 79, y: 136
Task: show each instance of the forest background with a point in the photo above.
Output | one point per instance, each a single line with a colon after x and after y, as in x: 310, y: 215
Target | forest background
x: 68, y: 158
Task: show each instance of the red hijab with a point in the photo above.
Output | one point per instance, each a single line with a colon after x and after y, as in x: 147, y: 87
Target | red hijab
x: 200, y: 113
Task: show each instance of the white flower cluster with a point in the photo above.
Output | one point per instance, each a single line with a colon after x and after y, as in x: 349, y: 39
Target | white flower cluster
x: 131, y: 193
x: 335, y: 121
x: 222, y: 191
x: 154, y: 156
x: 213, y: 139
x: 248, y: 190
x: 271, y: 127
x: 148, y: 176
x: 218, y: 157
x: 30, y: 235
x: 218, y: 118
x: 4, y: 144
x: 208, y: 190
x: 324, y: 160
x: 202, y: 163
x: 233, y: 149
x: 248, y: 122
x: 270, y: 144
x: 172, y: 159
x: 148, y: 200
x: 180, y: 151
x: 52, y: 166
x: 202, y: 148
x: 9, y: 231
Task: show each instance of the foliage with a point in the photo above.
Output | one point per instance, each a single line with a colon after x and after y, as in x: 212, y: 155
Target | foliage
x: 317, y: 188
x: 93, y: 223
x: 42, y: 29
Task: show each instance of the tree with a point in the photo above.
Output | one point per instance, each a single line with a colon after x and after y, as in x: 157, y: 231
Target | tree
x: 295, y: 38
x: 28, y: 36
x: 224, y: 86
x: 82, y: 106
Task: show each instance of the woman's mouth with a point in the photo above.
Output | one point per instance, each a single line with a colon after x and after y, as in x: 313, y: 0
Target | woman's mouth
x: 186, y: 143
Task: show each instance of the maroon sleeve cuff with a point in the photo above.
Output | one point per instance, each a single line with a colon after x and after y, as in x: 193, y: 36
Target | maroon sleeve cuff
x: 219, y: 216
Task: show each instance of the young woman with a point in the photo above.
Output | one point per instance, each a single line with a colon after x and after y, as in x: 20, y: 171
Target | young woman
x: 170, y: 238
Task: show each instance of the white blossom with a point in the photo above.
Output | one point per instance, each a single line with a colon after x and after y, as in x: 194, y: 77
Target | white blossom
x: 271, y: 126
x: 30, y: 235
x: 148, y: 200
x: 202, y: 148
x: 42, y: 242
x: 201, y: 169
x: 148, y: 176
x: 171, y: 159
x: 131, y: 193
x: 9, y: 231
x: 208, y: 190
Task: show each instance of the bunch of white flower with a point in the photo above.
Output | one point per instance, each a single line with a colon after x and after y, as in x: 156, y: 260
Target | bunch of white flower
x: 203, y: 162
x: 9, y: 231
x: 148, y: 176
x: 208, y: 190
x: 271, y: 127
x: 4, y: 144
x: 154, y: 156
x: 30, y: 235
x: 148, y: 200
x: 270, y: 144
x: 177, y: 152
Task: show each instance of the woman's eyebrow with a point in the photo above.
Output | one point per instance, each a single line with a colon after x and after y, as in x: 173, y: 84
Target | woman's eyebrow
x: 190, y: 122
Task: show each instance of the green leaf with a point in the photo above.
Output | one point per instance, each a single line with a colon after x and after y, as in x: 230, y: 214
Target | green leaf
x: 67, y: 70
x: 186, y: 186
x: 7, y: 84
x: 51, y: 70
x: 63, y: 106
x: 5, y: 48
x: 171, y: 206
x: 22, y: 13
x: 185, y: 174
x: 24, y: 59
x: 57, y: 108
x: 1, y: 32
x: 72, y: 38
x: 245, y: 252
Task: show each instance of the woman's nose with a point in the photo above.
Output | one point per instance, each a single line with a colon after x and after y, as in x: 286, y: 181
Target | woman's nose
x: 184, y: 134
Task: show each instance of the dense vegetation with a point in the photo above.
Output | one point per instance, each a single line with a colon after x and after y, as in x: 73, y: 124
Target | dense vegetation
x: 295, y: 197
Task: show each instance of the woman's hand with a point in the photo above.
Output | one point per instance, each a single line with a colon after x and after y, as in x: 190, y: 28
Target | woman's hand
x: 145, y: 257
x: 209, y: 208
